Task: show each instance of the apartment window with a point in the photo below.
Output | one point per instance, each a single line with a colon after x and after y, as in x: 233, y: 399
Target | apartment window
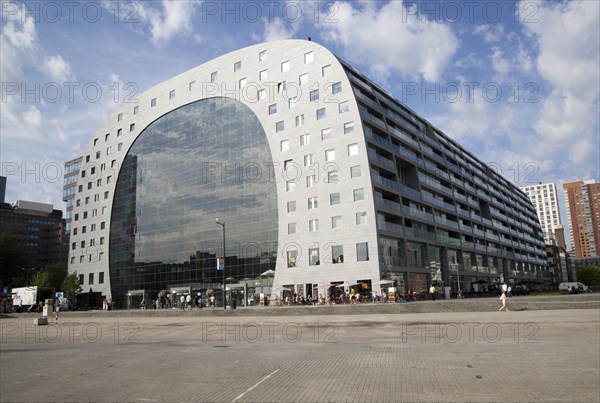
x: 355, y: 171
x: 95, y: 141
x: 91, y: 278
x: 292, y: 255
x: 74, y: 246
x: 285, y: 145
x: 102, y: 225
x: 314, y: 96
x: 260, y: 94
x: 343, y: 107
x: 262, y: 56
x: 98, y: 154
x: 361, y: 218
x: 279, y: 126
x: 82, y: 244
x: 334, y: 198
x: 352, y: 149
x: 336, y: 221
x: 359, y: 194
x: 76, y: 216
x: 272, y: 109
x: 330, y: 155
x: 132, y: 127
x: 285, y: 66
x: 81, y: 275
x: 325, y: 133
x: 81, y: 261
x: 321, y: 113
x: 103, y: 210
x: 262, y: 75
x: 325, y: 70
x: 153, y: 102
x: 308, y: 160
x: 289, y: 186
x: 304, y: 139
x: 291, y: 228
x: 213, y: 76
x: 191, y: 85
x: 237, y: 66
x: 308, y: 57
x: 101, y: 240
x: 337, y: 254
x: 87, y: 200
x: 74, y: 231
x: 336, y: 87
x: 101, y: 276
x: 287, y: 164
x: 87, y: 158
x: 93, y: 227
x: 310, y: 181
x: 312, y: 203
x: 348, y: 127
x: 85, y: 215
x: 72, y: 259
x: 106, y: 195
x: 303, y: 79
x: 281, y: 87
x: 299, y: 120
x: 108, y: 150
x: 292, y: 103
x: 243, y: 82
x: 89, y: 185
x: 119, y: 117
x: 313, y: 256
x: 291, y: 206
x: 98, y: 183
x: 136, y: 110
x: 172, y: 94
x: 119, y: 132
x: 332, y: 177
x: 362, y: 251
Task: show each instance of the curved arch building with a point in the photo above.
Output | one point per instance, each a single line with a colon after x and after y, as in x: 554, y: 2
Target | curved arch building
x: 318, y: 174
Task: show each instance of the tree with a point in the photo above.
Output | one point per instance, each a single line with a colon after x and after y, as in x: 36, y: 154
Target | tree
x: 13, y: 261
x: 56, y: 275
x: 41, y: 280
x: 590, y: 276
x: 70, y: 285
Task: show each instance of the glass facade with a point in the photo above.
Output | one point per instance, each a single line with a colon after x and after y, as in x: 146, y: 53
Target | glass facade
x: 206, y: 160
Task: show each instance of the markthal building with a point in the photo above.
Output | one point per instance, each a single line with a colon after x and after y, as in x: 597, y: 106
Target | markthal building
x: 304, y: 174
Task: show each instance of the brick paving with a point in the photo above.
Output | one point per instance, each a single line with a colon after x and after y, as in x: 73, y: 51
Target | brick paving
x: 543, y: 355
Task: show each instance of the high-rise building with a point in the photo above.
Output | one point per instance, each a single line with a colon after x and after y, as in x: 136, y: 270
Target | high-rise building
x: 71, y: 174
x: 545, y: 201
x: 583, y: 210
x: 315, y: 174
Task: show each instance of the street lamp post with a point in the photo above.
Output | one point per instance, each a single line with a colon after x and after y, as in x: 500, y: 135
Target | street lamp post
x: 222, y: 224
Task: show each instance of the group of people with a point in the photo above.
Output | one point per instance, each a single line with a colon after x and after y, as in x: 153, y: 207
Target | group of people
x: 186, y: 302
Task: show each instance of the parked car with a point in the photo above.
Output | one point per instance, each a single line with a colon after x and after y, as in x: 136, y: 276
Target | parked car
x: 520, y: 289
x: 573, y: 287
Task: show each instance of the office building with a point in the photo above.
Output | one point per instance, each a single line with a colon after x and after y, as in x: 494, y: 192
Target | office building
x: 544, y: 198
x: 583, y: 210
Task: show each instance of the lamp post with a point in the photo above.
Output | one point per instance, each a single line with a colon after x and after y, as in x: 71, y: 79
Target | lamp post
x: 222, y: 224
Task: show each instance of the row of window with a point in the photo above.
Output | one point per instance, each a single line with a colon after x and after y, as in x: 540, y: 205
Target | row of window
x: 91, y: 278
x: 334, y: 255
x: 336, y: 222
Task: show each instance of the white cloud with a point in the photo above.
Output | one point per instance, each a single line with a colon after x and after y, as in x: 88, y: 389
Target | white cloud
x: 490, y: 33
x: 33, y: 118
x: 500, y: 64
x: 174, y: 19
x: 20, y: 34
x: 391, y: 40
x: 57, y: 68
x: 277, y: 29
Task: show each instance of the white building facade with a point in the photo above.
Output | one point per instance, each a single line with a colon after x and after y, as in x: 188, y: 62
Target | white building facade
x: 544, y: 198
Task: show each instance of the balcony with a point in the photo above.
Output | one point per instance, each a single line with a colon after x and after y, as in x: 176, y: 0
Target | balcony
x: 388, y: 205
x: 396, y: 229
x: 387, y: 183
x: 408, y: 191
x: 414, y: 213
x: 384, y: 162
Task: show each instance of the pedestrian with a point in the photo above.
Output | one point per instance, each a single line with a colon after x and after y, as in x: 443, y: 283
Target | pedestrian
x: 432, y: 292
x: 188, y: 301
x: 504, y: 299
x: 212, y: 302
x: 182, y: 302
x: 56, y: 309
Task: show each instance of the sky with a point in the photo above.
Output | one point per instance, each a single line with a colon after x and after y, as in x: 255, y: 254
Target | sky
x: 517, y: 83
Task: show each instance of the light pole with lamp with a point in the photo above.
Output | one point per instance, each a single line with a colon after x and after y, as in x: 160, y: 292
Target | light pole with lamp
x: 222, y: 224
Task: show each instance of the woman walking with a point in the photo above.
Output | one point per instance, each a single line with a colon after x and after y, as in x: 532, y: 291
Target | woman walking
x: 504, y: 300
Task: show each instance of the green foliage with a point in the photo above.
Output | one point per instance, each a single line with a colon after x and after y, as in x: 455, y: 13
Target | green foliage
x: 13, y: 261
x: 589, y: 276
x: 40, y: 279
x: 70, y: 284
x: 56, y: 275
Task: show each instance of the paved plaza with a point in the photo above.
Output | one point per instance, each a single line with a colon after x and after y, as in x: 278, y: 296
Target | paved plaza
x: 521, y: 355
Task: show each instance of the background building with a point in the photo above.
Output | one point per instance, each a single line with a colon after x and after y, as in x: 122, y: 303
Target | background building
x: 71, y: 174
x: 583, y: 210
x: 545, y: 201
x: 318, y: 175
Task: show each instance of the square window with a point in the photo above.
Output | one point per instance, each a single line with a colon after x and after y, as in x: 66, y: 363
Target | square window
x: 153, y: 102
x: 303, y: 79
x: 362, y: 251
x: 243, y: 83
x: 321, y: 114
x: 272, y: 109
x: 279, y: 126
x: 289, y: 186
x: 262, y: 56
x: 325, y: 70
x: 285, y: 145
x: 119, y: 117
x: 260, y: 94
x: 291, y: 206
x: 213, y: 76
x: 292, y: 103
x: 292, y: 255
x: 308, y: 160
x: 285, y: 66
x: 330, y: 155
x: 191, y: 85
x: 336, y: 221
x: 119, y: 146
x: 304, y: 139
x: 348, y: 127
x: 343, y: 107
x: 361, y: 218
x: 337, y: 254
x: 291, y: 228
x: 308, y: 57
x: 172, y: 94
x: 299, y: 120
x: 313, y: 225
x: 325, y: 133
x: 355, y: 171
x: 262, y: 76
x: 310, y: 181
x: 332, y: 177
x: 314, y: 96
x: 352, y: 149
x: 136, y: 110
x: 312, y: 203
x: 359, y: 194
x: 237, y: 66
x: 313, y: 255
x: 334, y: 198
x: 336, y: 87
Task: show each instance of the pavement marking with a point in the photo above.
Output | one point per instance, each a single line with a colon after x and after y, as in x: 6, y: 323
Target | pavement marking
x: 255, y: 385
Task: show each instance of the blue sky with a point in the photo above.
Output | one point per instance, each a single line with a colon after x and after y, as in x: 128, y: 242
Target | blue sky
x: 516, y: 83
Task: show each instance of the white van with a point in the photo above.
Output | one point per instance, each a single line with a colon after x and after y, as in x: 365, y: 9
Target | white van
x: 567, y: 287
